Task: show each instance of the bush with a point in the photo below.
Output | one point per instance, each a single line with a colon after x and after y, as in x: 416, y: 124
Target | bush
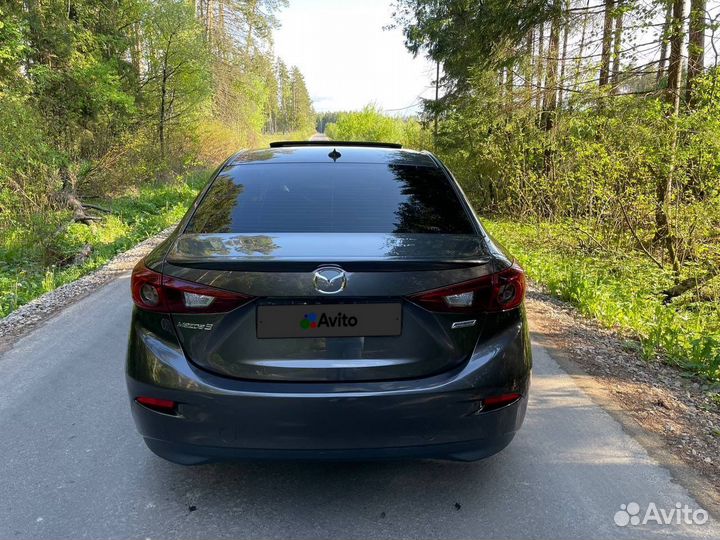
x: 619, y: 290
x: 372, y: 125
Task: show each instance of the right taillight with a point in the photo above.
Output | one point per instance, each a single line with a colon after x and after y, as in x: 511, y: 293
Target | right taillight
x: 501, y: 291
x: 152, y: 291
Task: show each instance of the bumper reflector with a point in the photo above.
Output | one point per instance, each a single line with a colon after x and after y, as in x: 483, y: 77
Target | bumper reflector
x: 160, y: 405
x: 495, y: 402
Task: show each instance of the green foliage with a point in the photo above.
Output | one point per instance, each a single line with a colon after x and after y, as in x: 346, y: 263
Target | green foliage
x: 600, y: 163
x: 578, y: 182
x: 177, y: 79
x: 619, y: 290
x: 295, y: 112
x: 111, y: 101
x: 538, y: 126
x: 12, y: 47
x: 135, y: 217
x: 370, y: 124
x: 466, y: 35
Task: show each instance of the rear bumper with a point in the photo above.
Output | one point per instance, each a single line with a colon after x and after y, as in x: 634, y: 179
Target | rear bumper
x: 436, y: 417
x: 188, y: 454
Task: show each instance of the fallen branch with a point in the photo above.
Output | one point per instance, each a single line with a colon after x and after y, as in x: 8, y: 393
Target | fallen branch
x: 79, y: 214
x: 686, y: 284
x: 98, y: 208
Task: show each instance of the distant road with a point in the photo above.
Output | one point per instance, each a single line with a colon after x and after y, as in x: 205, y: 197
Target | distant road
x: 319, y: 137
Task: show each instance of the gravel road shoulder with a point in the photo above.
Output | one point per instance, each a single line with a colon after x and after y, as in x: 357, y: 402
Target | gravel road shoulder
x: 33, y: 314
x: 672, y: 415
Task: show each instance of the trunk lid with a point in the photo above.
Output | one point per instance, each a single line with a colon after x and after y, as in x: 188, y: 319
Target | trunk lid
x: 381, y: 270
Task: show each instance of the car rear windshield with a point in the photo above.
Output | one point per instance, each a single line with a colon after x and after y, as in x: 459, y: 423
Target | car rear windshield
x: 333, y: 197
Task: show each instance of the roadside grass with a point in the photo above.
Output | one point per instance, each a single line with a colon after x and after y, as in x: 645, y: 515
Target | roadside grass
x: 29, y: 256
x: 135, y: 217
x: 621, y: 290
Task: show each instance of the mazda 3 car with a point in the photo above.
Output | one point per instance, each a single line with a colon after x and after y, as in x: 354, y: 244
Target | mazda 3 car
x: 328, y: 301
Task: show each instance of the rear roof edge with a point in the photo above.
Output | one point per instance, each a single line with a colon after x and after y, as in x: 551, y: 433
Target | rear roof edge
x: 368, y: 144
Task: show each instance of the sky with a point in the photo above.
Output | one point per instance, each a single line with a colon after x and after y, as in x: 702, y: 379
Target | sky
x: 348, y: 59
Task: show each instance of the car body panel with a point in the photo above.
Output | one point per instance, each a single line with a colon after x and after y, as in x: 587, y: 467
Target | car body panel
x: 418, y: 392
x: 339, y: 419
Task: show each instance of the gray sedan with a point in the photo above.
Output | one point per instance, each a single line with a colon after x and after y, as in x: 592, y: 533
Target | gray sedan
x: 328, y: 300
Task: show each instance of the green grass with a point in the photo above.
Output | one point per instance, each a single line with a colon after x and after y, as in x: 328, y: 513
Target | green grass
x: 620, y: 291
x: 35, y: 259
x: 136, y: 217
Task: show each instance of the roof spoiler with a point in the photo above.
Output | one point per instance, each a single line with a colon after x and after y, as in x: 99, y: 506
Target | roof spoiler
x: 286, y: 144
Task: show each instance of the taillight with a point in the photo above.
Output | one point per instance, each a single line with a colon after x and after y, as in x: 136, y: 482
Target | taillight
x: 152, y: 291
x: 501, y: 291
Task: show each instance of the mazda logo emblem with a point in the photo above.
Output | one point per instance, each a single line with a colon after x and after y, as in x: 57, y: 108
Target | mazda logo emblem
x: 329, y: 280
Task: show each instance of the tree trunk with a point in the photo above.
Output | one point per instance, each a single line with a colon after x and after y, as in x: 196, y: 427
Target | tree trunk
x: 581, y: 47
x: 675, y: 67
x: 529, y: 69
x: 251, y: 9
x: 664, y: 187
x: 563, y: 56
x: 437, y: 97
x: 162, y: 112
x: 550, y: 95
x: 510, y: 87
x: 539, y: 67
x: 617, y: 48
x: 606, y: 43
x: 664, y: 37
x: 209, y: 25
x: 136, y: 49
x: 696, y: 48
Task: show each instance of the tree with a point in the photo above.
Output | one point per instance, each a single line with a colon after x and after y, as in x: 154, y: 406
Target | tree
x: 551, y: 82
x: 99, y: 96
x: 177, y: 79
x: 464, y: 35
x: 696, y: 47
x: 607, y: 36
x: 617, y: 46
x: 285, y: 97
x: 302, y: 114
x: 664, y: 40
x: 665, y: 182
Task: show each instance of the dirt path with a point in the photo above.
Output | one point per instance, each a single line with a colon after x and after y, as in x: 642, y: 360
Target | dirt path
x: 673, y: 416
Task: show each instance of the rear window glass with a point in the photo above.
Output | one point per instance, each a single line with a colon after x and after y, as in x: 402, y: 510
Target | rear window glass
x: 307, y: 197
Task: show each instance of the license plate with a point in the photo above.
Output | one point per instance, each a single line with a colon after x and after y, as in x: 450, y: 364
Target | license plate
x: 329, y: 320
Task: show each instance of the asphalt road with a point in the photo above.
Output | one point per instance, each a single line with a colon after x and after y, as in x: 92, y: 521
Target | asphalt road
x: 73, y: 466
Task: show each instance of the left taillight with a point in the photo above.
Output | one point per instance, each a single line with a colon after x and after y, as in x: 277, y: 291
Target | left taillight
x: 151, y: 291
x: 501, y: 291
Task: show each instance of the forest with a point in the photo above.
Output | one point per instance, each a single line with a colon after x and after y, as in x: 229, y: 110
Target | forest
x: 587, y: 135
x: 585, y: 132
x: 597, y: 124
x: 111, y: 114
